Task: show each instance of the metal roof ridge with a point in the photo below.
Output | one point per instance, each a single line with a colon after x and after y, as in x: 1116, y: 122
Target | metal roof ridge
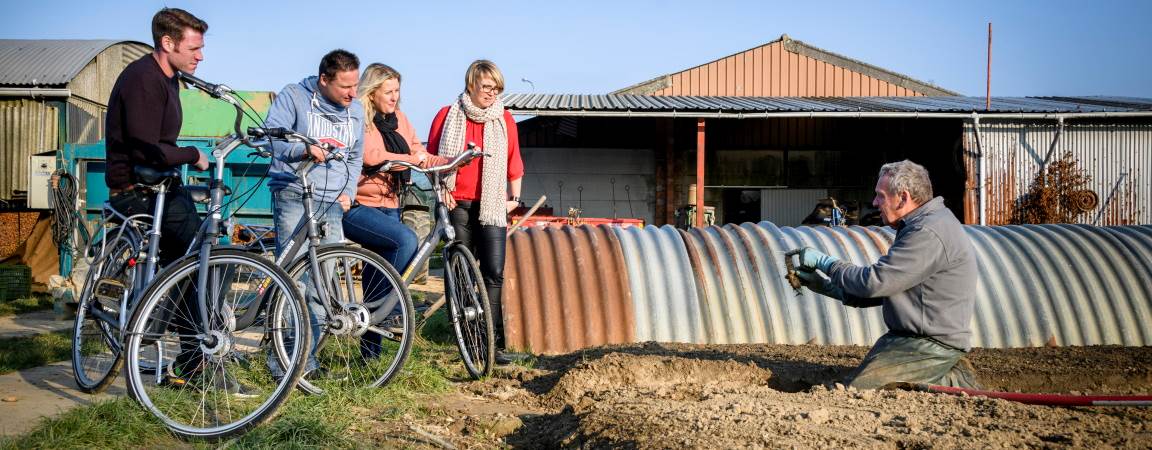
x: 839, y: 60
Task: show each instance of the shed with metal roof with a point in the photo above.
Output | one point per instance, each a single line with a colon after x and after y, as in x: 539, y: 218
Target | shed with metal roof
x: 53, y: 93
x: 773, y: 158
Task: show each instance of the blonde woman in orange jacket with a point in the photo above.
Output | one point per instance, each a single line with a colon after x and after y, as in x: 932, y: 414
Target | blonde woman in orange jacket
x: 374, y: 219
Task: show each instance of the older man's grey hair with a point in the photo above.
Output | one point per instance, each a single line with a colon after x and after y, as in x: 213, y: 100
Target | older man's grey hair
x: 908, y: 176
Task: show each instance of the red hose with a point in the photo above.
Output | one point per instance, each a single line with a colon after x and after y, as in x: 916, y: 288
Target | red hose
x: 1045, y: 399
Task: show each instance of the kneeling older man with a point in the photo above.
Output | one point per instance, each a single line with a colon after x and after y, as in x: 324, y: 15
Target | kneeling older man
x: 926, y: 284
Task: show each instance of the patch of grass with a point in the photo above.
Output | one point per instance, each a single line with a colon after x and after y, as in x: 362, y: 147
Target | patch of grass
x: 37, y: 302
x: 333, y: 420
x: 438, y: 328
x: 114, y: 423
x: 34, y: 351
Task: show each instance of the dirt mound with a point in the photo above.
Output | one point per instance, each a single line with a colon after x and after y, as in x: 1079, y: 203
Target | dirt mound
x: 671, y: 377
x: 763, y: 417
x: 748, y: 396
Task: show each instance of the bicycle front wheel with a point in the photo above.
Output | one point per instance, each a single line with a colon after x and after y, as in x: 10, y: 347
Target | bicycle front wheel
x: 366, y: 332
x: 96, y: 334
x: 211, y: 378
x: 469, y: 311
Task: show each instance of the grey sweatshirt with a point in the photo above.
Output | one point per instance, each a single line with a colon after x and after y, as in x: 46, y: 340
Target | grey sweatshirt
x: 301, y: 107
x: 927, y: 281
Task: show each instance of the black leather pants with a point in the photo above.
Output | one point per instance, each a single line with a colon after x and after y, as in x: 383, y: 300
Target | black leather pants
x: 487, y: 243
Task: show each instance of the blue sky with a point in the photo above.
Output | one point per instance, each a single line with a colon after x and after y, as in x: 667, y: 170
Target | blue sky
x: 591, y: 47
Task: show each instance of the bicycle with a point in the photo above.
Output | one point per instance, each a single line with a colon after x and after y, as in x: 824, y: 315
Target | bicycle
x: 115, y: 280
x: 206, y: 317
x: 465, y: 294
x: 356, y: 335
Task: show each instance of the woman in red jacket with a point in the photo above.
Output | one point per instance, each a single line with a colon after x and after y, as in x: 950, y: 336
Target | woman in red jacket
x: 374, y: 219
x: 485, y: 191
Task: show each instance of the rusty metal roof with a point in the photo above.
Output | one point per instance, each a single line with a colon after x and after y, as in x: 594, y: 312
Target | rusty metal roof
x: 704, y: 106
x: 47, y: 62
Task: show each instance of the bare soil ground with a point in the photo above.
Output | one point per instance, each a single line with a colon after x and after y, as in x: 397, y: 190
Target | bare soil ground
x: 773, y: 396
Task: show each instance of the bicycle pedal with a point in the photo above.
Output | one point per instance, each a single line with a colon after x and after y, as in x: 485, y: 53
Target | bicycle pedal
x: 109, y: 289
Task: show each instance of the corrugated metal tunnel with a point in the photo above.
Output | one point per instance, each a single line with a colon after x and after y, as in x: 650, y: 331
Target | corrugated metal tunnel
x: 564, y: 289
x: 1069, y: 284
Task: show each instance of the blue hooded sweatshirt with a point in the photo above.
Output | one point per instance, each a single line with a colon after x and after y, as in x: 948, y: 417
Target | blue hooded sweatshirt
x: 302, y: 108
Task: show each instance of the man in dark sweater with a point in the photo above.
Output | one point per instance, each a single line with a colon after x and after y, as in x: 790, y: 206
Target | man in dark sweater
x: 925, y: 284
x: 143, y: 122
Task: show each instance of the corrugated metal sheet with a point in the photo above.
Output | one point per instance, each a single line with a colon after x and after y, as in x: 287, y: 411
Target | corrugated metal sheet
x: 29, y: 127
x: 1071, y: 284
x: 664, y: 294
x: 566, y: 288
x: 1076, y: 284
x: 95, y: 81
x: 1118, y: 157
x: 785, y: 67
x: 818, y: 319
x: 87, y: 68
x: 47, y: 62
x: 85, y: 121
x: 529, y: 103
x: 788, y: 206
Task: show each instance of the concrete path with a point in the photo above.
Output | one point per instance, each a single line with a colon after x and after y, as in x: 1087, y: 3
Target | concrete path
x: 30, y: 395
x: 31, y: 324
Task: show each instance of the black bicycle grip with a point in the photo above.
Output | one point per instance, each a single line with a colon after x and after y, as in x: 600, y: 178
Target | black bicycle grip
x: 274, y: 132
x: 200, y: 84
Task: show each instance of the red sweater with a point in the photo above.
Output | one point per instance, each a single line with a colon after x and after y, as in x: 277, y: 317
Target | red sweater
x: 468, y: 177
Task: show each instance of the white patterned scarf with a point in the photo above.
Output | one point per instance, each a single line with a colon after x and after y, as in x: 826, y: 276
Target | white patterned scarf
x: 494, y: 177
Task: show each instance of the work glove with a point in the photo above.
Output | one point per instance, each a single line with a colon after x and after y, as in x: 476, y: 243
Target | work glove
x: 818, y: 284
x: 811, y: 259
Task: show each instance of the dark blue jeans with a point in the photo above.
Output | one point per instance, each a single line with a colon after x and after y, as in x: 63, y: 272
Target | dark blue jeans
x: 287, y: 210
x: 381, y: 231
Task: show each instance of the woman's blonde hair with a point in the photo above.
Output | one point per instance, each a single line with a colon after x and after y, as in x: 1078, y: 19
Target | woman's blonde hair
x: 479, y: 69
x: 373, y: 77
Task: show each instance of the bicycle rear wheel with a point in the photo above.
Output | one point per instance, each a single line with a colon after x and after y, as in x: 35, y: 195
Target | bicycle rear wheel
x: 469, y: 311
x: 212, y: 382
x: 96, y: 334
x: 368, y: 338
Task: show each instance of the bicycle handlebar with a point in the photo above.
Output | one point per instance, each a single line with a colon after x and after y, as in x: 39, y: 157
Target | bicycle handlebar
x: 463, y: 158
x: 288, y: 135
x: 222, y: 92
x: 215, y: 90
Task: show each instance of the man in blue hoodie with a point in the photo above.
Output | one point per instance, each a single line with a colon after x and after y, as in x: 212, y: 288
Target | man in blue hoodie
x: 325, y: 108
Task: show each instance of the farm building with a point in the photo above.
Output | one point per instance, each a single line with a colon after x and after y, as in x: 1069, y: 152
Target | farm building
x: 770, y: 131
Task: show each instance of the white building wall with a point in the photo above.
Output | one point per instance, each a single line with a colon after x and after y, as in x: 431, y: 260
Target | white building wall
x: 609, y: 183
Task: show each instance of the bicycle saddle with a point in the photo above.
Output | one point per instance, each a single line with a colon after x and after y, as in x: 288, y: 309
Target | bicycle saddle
x: 151, y: 177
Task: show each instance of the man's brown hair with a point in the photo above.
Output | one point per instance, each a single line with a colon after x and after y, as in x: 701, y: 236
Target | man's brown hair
x: 337, y: 61
x: 172, y: 22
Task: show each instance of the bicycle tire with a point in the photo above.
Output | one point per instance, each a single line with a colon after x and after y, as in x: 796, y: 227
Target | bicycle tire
x: 97, y: 344
x: 349, y: 352
x: 205, y: 404
x: 469, y: 311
